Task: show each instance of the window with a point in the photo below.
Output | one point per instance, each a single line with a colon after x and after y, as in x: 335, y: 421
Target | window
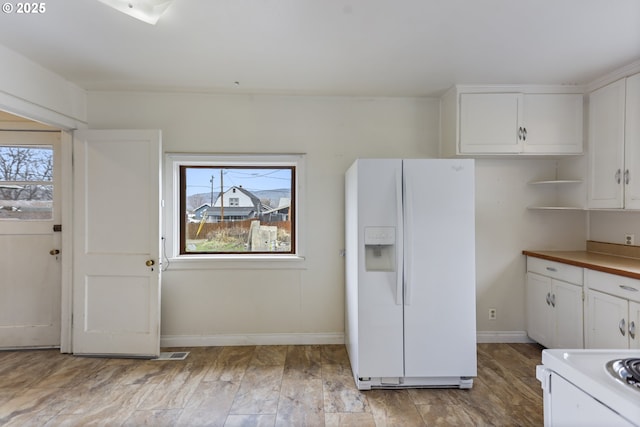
x: 236, y: 205
x: 26, y: 182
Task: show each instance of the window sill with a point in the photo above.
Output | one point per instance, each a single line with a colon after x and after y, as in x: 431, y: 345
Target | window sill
x: 235, y: 262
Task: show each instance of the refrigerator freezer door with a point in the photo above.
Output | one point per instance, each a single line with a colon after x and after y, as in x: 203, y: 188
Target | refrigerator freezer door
x: 379, y: 319
x: 439, y: 315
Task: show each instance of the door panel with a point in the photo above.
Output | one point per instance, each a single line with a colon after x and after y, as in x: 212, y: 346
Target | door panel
x: 30, y: 276
x: 380, y: 312
x: 568, y: 315
x: 539, y: 318
x: 116, y: 233
x: 440, y: 331
x: 634, y: 325
x: 605, y: 313
x: 606, y: 146
x: 632, y: 144
x: 489, y: 122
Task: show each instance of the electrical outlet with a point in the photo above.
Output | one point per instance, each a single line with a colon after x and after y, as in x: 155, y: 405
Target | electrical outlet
x: 629, y: 239
x: 492, y: 314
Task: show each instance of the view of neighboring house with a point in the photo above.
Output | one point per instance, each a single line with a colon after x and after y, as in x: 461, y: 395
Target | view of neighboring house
x: 281, y: 213
x: 238, y: 204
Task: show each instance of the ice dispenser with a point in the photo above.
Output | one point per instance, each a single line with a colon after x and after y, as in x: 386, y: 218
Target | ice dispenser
x: 380, y: 248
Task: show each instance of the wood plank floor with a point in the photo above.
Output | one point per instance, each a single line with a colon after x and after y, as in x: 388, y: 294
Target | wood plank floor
x: 257, y: 386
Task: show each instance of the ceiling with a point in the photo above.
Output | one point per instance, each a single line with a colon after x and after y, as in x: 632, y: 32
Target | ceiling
x: 330, y: 47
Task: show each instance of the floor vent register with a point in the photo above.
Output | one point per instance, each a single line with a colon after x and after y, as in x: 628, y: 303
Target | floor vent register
x: 173, y: 355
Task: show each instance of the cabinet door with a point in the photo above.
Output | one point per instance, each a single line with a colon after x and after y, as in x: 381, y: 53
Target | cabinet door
x: 606, y: 321
x: 489, y: 123
x: 539, y: 309
x: 553, y: 123
x: 632, y: 144
x: 633, y: 327
x: 606, y: 146
x: 566, y: 300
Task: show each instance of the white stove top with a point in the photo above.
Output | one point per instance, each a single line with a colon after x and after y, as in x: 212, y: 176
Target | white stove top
x: 586, y: 369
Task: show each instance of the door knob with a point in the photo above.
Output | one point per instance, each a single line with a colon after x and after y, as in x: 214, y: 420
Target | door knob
x: 54, y: 252
x: 150, y: 262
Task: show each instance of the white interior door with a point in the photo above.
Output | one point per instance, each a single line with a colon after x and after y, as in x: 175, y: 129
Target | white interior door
x: 116, y: 291
x: 30, y: 269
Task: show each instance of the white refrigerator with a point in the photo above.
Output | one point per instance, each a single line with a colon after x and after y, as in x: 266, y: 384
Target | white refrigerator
x: 410, y: 273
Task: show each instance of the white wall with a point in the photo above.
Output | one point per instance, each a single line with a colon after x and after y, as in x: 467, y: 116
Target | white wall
x: 504, y: 227
x: 32, y: 91
x: 611, y: 226
x: 272, y: 304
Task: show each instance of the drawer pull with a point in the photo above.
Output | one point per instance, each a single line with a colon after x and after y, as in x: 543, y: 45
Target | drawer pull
x: 552, y: 269
x: 621, y: 326
x: 628, y: 288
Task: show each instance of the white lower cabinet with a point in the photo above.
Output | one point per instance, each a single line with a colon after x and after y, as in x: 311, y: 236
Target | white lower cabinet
x: 612, y: 311
x: 554, y: 304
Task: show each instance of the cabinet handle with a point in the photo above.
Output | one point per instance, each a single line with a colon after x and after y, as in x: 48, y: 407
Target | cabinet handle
x: 552, y: 269
x: 626, y: 176
x: 621, y: 326
x: 519, y: 133
x: 548, y: 298
x: 632, y: 330
x: 618, y: 172
x: 553, y: 300
x: 628, y: 288
x: 524, y: 134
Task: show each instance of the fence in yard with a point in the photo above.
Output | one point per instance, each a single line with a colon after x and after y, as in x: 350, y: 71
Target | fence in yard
x: 238, y: 229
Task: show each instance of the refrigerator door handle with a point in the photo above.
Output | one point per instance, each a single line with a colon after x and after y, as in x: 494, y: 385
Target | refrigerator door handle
x: 399, y: 238
x: 408, y: 239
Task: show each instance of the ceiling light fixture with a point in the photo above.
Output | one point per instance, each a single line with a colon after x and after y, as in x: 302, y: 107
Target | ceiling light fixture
x: 145, y: 10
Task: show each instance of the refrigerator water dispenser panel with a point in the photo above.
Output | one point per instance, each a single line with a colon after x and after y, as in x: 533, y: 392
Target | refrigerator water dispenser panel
x: 380, y: 248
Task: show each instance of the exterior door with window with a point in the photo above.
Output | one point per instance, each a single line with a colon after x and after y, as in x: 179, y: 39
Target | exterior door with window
x: 30, y: 249
x: 116, y: 295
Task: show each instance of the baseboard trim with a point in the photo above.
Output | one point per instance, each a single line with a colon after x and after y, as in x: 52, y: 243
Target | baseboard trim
x: 503, y: 337
x: 309, y: 339
x: 250, y: 339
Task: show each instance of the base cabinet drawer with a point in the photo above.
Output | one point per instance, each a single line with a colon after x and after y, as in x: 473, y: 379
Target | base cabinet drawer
x: 556, y: 270
x: 624, y: 287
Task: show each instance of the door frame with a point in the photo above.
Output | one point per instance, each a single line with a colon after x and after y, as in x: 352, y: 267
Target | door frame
x: 66, y: 294
x: 65, y: 186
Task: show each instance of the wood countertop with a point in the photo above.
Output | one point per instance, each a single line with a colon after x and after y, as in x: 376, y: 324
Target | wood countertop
x: 623, y: 260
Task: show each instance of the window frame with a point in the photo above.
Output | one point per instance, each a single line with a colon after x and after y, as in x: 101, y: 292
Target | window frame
x: 183, y: 205
x: 37, y: 139
x: 173, y: 217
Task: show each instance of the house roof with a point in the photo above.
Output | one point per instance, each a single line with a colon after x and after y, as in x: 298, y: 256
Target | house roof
x: 342, y: 47
x: 254, y: 199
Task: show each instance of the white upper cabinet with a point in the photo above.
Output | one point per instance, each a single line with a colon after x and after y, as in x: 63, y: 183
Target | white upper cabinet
x: 632, y: 143
x: 614, y: 145
x: 489, y: 123
x: 552, y: 123
x: 519, y: 122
